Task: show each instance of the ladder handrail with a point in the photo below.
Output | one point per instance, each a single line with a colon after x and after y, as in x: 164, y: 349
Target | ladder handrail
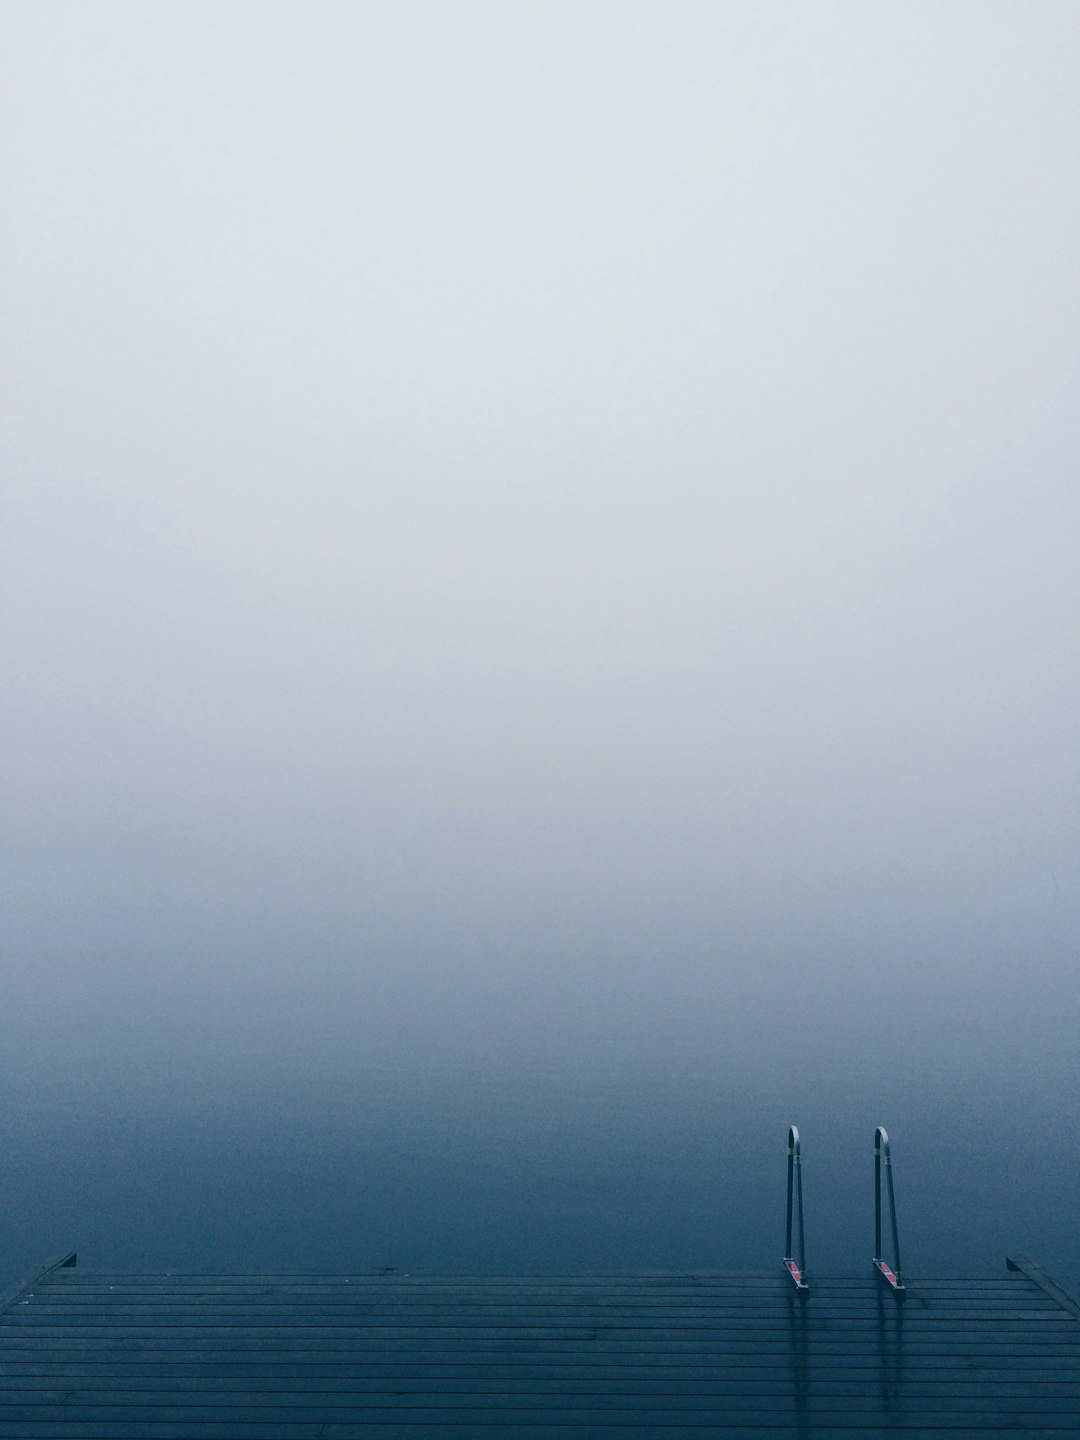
x: 882, y: 1154
x: 794, y: 1197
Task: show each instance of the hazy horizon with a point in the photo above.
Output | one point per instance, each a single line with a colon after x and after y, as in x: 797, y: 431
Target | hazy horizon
x: 541, y: 589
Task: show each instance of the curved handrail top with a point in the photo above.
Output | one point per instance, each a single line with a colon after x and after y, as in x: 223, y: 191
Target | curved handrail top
x: 793, y: 1143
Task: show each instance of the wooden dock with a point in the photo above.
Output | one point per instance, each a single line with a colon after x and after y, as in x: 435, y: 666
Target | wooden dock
x: 402, y: 1357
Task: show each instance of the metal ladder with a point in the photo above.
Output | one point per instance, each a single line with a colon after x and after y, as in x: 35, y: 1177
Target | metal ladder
x: 796, y: 1269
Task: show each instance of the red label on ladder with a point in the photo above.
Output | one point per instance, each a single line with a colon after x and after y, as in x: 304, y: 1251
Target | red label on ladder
x: 889, y: 1275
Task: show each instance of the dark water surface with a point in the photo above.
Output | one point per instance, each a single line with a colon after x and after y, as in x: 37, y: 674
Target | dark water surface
x: 532, y: 1113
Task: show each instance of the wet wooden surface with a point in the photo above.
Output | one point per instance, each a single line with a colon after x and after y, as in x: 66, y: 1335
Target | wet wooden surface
x: 178, y: 1357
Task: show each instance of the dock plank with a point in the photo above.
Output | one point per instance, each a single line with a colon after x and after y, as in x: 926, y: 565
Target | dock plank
x: 370, y: 1356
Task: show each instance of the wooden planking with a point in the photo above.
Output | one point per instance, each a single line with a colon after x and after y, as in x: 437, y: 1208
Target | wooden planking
x: 280, y: 1310
x: 530, y: 1292
x: 658, y: 1422
x: 679, y: 1316
x: 667, y: 1317
x: 482, y: 1413
x: 366, y: 1317
x: 264, y: 1430
x: 530, y: 1295
x: 986, y: 1369
x: 706, y: 1310
x: 497, y: 1401
x: 396, y: 1430
x: 230, y: 1357
x: 562, y: 1350
x: 521, y: 1381
x: 761, y: 1285
x: 944, y: 1310
x: 362, y: 1343
x: 398, y: 1286
x: 157, y: 1330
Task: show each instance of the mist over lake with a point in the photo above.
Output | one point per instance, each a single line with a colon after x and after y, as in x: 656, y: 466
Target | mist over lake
x: 540, y: 593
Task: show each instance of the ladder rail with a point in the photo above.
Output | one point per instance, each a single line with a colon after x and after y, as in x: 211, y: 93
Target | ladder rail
x: 795, y: 1269
x: 891, y: 1274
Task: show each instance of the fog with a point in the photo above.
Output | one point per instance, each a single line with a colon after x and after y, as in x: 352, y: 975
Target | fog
x: 540, y: 586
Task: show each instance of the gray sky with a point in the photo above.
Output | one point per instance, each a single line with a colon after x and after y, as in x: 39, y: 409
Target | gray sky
x: 551, y: 502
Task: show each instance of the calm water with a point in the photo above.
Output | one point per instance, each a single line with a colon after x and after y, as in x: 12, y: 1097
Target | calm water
x: 542, y: 647
x: 291, y: 1113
